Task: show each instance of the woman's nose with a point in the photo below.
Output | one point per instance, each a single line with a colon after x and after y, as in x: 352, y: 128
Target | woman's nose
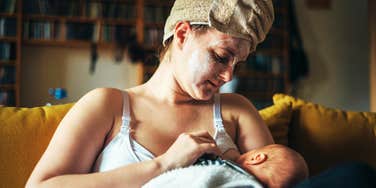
x: 227, y: 73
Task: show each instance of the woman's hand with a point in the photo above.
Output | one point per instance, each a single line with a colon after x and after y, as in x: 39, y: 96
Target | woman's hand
x: 187, y: 148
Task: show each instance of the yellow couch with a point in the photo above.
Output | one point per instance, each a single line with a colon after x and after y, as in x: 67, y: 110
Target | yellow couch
x: 322, y: 135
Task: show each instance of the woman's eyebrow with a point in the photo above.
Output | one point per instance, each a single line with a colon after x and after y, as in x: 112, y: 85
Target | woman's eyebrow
x: 230, y: 51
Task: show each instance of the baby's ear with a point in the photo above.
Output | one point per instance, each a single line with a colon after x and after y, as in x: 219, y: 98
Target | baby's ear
x: 256, y: 159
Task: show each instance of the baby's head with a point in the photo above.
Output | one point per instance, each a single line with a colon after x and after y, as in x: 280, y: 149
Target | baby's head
x: 275, y: 165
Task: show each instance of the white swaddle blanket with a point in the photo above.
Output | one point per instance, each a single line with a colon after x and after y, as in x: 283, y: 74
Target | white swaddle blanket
x: 203, y: 176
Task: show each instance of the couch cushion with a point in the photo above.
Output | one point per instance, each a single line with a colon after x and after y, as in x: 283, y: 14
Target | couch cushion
x: 24, y: 135
x: 277, y: 117
x: 327, y: 136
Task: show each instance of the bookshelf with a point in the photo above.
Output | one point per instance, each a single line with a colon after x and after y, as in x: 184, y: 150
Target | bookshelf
x: 69, y: 23
x: 155, y: 13
x: 78, y: 23
x: 10, y: 52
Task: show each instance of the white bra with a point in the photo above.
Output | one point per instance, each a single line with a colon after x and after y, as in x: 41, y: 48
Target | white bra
x: 123, y: 150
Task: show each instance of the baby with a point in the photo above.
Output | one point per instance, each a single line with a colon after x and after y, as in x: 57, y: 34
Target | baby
x: 269, y: 166
x: 275, y: 165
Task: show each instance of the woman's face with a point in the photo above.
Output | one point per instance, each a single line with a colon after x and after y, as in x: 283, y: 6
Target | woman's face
x: 207, y: 62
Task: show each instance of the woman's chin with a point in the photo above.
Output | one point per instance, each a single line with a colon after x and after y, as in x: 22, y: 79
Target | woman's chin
x: 204, y: 94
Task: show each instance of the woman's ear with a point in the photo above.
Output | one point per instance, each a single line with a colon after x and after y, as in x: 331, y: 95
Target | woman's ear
x: 182, y: 29
x: 256, y: 159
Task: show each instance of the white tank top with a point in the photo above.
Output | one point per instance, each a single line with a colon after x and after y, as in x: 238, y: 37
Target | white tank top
x: 123, y: 150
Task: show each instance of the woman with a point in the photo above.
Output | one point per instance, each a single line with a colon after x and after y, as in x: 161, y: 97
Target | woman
x: 114, y: 138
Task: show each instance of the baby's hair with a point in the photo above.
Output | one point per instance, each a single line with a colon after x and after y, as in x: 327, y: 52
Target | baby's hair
x: 289, y: 172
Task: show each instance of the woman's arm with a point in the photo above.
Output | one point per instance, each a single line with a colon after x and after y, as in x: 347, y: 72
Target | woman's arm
x: 251, y: 130
x: 132, y: 175
x: 77, y: 142
x: 79, y: 139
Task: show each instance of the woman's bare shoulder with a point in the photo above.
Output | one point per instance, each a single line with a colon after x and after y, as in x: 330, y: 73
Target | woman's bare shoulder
x: 103, y: 103
x: 236, y: 103
x: 106, y: 98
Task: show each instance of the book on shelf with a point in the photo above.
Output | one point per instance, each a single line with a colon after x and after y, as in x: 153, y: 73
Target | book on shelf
x: 125, y: 11
x: 52, y: 7
x: 7, y: 74
x: 80, y: 31
x: 7, y: 51
x: 7, y: 98
x: 153, y: 36
x: 8, y: 6
x: 98, y: 9
x: 94, y: 9
x: 157, y: 14
x: 117, y: 33
x: 8, y: 27
x: 38, y: 30
x: 109, y: 10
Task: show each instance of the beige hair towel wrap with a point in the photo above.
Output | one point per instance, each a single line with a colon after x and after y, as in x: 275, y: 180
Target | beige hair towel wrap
x: 247, y: 19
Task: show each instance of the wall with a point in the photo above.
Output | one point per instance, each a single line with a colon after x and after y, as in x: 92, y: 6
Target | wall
x: 49, y: 67
x: 372, y: 29
x: 336, y: 42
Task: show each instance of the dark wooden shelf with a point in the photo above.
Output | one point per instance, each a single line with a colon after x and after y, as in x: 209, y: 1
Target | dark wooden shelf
x: 65, y: 43
x: 118, y: 21
x: 158, y: 25
x: 80, y: 19
x: 8, y: 39
x: 166, y: 3
x: 7, y: 87
x: 114, y: 1
x: 58, y: 18
x: 7, y: 63
x: 8, y: 15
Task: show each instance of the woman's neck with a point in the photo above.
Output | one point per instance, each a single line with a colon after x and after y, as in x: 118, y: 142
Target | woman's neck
x: 165, y: 88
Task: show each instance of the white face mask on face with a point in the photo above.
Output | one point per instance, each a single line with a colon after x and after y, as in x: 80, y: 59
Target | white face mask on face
x: 203, y: 73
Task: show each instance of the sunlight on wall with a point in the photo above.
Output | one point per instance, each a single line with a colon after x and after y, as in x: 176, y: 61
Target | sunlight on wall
x: 336, y: 42
x: 50, y: 67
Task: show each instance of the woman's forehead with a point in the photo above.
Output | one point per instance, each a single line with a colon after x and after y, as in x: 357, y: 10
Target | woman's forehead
x: 239, y: 47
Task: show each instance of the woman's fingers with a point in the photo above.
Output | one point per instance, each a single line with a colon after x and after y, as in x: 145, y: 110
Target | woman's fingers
x: 206, y: 142
x: 201, y: 134
x: 188, y: 147
x: 210, y: 148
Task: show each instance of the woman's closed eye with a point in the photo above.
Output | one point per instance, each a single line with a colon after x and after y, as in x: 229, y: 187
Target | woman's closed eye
x: 220, y: 59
